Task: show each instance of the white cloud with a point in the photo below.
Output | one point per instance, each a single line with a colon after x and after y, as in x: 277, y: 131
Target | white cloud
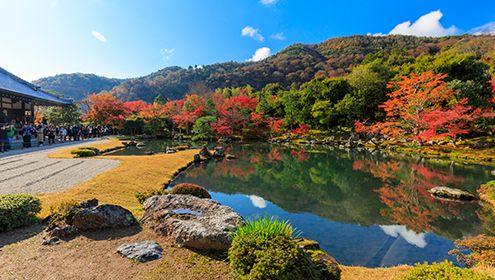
x: 166, y: 53
x: 486, y: 29
x: 257, y: 201
x: 411, y: 237
x: 260, y: 54
x: 268, y: 2
x: 252, y: 32
x: 426, y: 25
x: 99, y: 36
x: 278, y: 36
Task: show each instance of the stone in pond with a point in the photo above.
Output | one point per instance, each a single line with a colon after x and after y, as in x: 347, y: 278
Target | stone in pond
x: 103, y: 216
x: 193, y: 222
x: 143, y: 251
x: 451, y: 194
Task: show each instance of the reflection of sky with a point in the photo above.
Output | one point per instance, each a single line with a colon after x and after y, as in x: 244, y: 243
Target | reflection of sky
x: 350, y: 244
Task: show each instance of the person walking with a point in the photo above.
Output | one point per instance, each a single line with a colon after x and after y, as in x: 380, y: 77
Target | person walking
x: 3, y: 138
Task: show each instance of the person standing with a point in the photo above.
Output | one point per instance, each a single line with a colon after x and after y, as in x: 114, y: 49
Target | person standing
x: 10, y: 135
x: 41, y: 135
x: 26, y: 132
x: 62, y: 133
x: 51, y: 134
x: 3, y: 138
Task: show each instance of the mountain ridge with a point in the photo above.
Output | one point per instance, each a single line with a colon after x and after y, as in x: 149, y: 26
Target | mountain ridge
x: 294, y: 65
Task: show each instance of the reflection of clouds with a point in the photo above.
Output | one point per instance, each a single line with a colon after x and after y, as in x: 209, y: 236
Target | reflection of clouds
x: 257, y: 201
x: 416, y: 239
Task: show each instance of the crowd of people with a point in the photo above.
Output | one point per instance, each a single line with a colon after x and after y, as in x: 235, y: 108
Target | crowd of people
x: 47, y: 134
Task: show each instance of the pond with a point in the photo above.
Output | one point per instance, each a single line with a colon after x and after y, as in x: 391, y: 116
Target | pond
x: 365, y: 209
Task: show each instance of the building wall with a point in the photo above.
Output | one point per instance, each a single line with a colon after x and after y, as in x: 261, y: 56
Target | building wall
x: 17, y: 110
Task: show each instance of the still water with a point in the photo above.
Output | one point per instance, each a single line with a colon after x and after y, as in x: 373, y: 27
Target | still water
x: 364, y: 209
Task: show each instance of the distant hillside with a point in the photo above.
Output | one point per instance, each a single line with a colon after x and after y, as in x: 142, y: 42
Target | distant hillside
x: 294, y: 65
x: 77, y: 85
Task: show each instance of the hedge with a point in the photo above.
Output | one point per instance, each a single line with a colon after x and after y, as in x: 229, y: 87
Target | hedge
x: 17, y: 210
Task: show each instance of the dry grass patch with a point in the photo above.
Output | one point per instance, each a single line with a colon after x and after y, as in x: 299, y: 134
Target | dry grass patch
x: 119, y: 185
x: 364, y: 273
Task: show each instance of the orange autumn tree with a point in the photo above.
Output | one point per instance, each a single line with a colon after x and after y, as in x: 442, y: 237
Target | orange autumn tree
x: 412, y: 98
x: 106, y: 109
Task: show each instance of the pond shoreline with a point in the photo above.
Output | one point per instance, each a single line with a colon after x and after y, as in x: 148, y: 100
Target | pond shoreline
x: 179, y: 166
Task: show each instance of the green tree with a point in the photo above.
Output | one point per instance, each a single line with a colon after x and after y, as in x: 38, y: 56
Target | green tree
x: 63, y: 115
x: 202, y: 128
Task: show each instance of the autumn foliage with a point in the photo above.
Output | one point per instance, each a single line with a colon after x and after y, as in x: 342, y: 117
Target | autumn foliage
x: 422, y: 107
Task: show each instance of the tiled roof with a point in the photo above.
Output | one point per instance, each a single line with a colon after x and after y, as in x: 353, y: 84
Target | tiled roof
x: 13, y: 84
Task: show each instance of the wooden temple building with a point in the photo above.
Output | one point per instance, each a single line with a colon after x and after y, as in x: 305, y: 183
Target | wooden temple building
x: 18, y: 98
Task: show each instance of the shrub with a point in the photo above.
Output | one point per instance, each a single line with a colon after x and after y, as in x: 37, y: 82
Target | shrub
x: 442, y: 271
x: 83, y: 152
x: 18, y: 210
x: 265, y: 249
x: 63, y: 213
x: 481, y: 250
x: 96, y: 150
x: 141, y: 197
x: 191, y: 189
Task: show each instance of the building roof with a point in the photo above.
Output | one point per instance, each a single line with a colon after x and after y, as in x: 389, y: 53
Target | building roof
x: 14, y: 85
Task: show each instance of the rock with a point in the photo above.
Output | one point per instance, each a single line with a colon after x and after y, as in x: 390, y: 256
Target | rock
x: 141, y: 144
x: 451, y: 194
x: 89, y: 203
x: 193, y: 222
x: 219, y: 152
x: 197, y: 158
x: 307, y: 244
x: 492, y: 172
x: 53, y: 236
x: 131, y: 144
x: 230, y: 156
x: 205, y: 153
x: 170, y: 151
x: 149, y: 153
x: 103, y: 216
x: 51, y: 241
x: 143, y: 251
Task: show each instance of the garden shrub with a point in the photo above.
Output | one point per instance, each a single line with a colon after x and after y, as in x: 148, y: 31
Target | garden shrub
x: 191, y: 189
x: 83, y: 152
x: 142, y: 196
x: 265, y: 249
x: 63, y: 213
x: 18, y: 210
x: 442, y: 271
x: 96, y: 150
x: 474, y: 250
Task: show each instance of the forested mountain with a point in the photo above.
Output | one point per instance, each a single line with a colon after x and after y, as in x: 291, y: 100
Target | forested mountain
x: 78, y: 85
x: 294, y: 65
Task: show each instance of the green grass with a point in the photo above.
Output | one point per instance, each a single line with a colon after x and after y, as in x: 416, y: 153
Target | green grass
x: 266, y: 228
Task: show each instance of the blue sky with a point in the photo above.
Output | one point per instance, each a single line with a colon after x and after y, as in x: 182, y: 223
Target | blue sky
x: 130, y: 38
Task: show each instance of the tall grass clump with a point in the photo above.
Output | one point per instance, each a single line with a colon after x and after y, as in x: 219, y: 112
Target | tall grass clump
x: 266, y: 228
x: 265, y: 249
x: 17, y: 210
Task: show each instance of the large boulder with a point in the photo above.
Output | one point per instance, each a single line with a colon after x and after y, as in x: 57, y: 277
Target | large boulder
x: 193, y: 222
x: 451, y: 194
x: 325, y: 264
x: 143, y: 251
x: 102, y: 217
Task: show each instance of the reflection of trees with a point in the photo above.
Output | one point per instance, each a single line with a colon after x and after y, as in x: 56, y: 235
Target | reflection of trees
x: 338, y: 186
x: 404, y: 191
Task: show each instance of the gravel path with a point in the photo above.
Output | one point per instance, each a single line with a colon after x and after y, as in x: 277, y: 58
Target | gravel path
x: 35, y: 173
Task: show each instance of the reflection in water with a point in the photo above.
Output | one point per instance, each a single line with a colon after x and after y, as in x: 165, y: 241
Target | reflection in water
x: 257, y: 201
x: 411, y: 237
x: 365, y: 209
